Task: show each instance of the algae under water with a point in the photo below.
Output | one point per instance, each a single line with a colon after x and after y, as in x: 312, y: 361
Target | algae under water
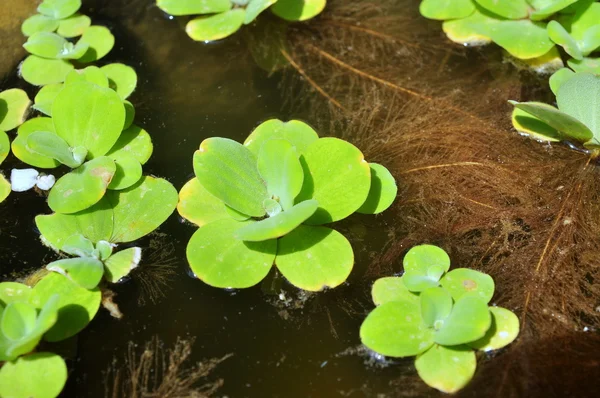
x: 380, y: 76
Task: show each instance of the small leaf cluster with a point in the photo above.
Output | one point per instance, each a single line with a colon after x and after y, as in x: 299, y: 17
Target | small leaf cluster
x: 222, y: 18
x: 439, y: 316
x: 51, y: 34
x: 264, y: 203
x: 529, y: 30
x: 577, y: 117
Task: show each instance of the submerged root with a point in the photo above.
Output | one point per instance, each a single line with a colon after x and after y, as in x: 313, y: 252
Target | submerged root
x: 157, y: 270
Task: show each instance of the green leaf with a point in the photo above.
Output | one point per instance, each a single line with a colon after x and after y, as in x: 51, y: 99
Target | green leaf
x: 134, y: 141
x: 298, y: 10
x: 217, y: 26
x: 504, y: 330
x: 560, y: 36
x: 40, y: 71
x: 447, y: 369
x: 585, y: 28
x: 529, y: 125
x: 39, y: 23
x: 129, y: 114
x: 48, y: 370
x: 192, y: 7
x: 469, y: 320
x: 271, y: 206
x: 557, y: 119
x: 382, y: 192
x: 220, y: 260
x: 462, y: 281
x: 511, y: 9
x: 122, y: 78
x: 473, y: 30
x: 104, y: 250
x: 82, y: 187
x: 91, y: 74
x: 74, y: 26
x: 421, y: 258
x: 59, y: 9
x: 337, y: 176
x: 22, y: 151
x: 199, y: 206
x: 14, y: 104
x: 236, y: 215
x: 559, y: 77
x: 4, y: 146
x: 78, y: 245
x: 45, y: 98
x: 547, y: 9
x: 13, y: 291
x: 228, y: 171
x: 396, y: 329
x: 392, y: 289
x: 85, y: 271
x: 129, y: 171
x: 50, y: 145
x: 446, y: 9
x: 141, y: 209
x: 255, y: 7
x: 87, y: 115
x: 579, y: 98
x: 18, y: 320
x: 120, y: 264
x: 278, y: 225
x: 523, y: 39
x: 77, y: 306
x: 298, y: 133
x: 314, y: 258
x: 4, y: 188
x: 436, y: 305
x: 591, y: 65
x: 53, y: 46
x: 280, y: 168
x: 100, y: 42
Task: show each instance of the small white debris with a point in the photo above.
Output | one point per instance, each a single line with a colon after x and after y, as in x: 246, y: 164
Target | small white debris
x: 22, y: 180
x: 45, y: 182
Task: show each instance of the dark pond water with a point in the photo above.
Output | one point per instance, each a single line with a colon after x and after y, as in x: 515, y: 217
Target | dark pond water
x: 284, y: 343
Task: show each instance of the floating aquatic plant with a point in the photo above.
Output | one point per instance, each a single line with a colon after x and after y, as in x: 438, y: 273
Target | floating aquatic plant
x: 577, y: 118
x: 265, y: 202
x: 222, y: 18
x: 437, y: 316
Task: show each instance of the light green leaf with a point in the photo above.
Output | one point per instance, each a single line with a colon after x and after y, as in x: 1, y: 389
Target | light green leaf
x: 548, y: 9
x: 4, y: 146
x: 78, y: 245
x: 19, y: 145
x: 120, y: 264
x: 523, y: 39
x: 13, y: 291
x: 446, y: 9
x: 271, y: 206
x: 141, y: 209
x: 192, y: 7
x: 228, y: 171
x: 122, y: 78
x: 469, y: 320
x: 559, y: 77
x: 590, y: 65
x: 91, y: 74
x: 217, y: 26
x: 53, y: 46
x: 50, y: 145
x: 396, y: 329
x: 462, y: 281
x: 48, y: 370
x: 74, y: 26
x: 39, y: 23
x: 14, y: 104
x: 129, y: 114
x: 85, y: 271
x: 100, y: 42
x: 77, y: 306
x: 129, y: 171
x: 392, y: 289
x: 436, y: 305
x: 504, y: 330
x: 59, y: 9
x: 511, y: 9
x: 236, y: 215
x: 529, y: 125
x: 40, y: 71
x: 199, y: 206
x: 298, y: 10
x: 337, y: 176
x: 82, y: 187
x: 220, y: 260
x: 579, y: 97
x: 560, y: 36
x: 255, y: 7
x: 278, y: 225
x: 585, y: 28
x: 4, y: 188
x: 298, y: 133
x: 45, y: 98
x: 18, y: 320
x: 280, y: 168
x: 87, y: 115
x: 473, y: 30
x: 104, y: 250
x: 447, y: 369
x: 382, y: 192
x: 314, y: 258
x: 421, y: 258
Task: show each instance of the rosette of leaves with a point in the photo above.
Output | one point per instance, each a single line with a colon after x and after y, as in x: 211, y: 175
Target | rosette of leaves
x: 51, y: 42
x: 14, y: 105
x: 577, y: 117
x: 578, y: 32
x: 438, y: 316
x: 222, y: 18
x: 86, y: 134
x: 92, y: 235
x: 265, y: 202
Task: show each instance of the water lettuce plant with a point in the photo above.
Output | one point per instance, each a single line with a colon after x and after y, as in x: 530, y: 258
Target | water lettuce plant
x: 439, y: 316
x: 527, y: 29
x: 264, y: 203
x: 577, y: 117
x: 222, y: 18
x: 51, y: 34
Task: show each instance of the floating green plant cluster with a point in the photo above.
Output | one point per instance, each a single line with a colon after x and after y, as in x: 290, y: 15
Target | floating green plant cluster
x: 222, y: 18
x: 439, y: 316
x: 264, y: 203
x: 577, y: 118
x: 527, y: 29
